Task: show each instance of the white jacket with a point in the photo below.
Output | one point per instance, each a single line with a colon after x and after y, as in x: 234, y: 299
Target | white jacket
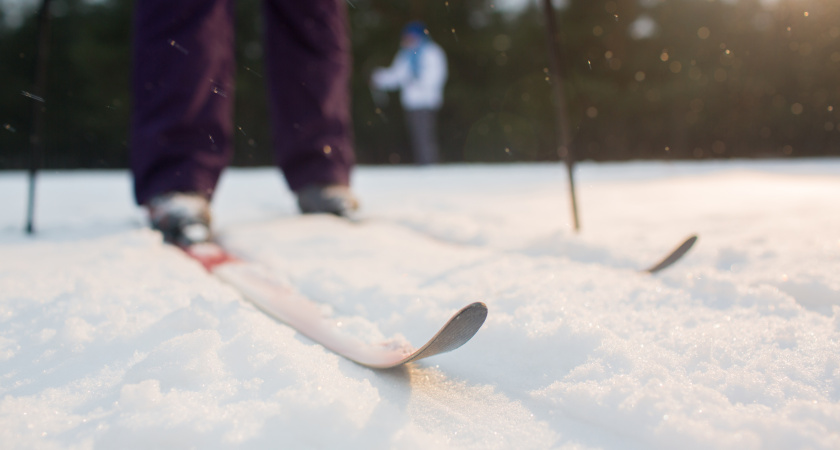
x: 423, y: 92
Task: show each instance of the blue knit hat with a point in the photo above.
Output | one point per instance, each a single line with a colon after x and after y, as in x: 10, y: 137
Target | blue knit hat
x: 415, y: 28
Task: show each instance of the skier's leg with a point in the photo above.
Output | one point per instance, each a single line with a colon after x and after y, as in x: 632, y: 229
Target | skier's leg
x: 423, y: 131
x: 181, y: 128
x: 432, y: 135
x: 307, y: 50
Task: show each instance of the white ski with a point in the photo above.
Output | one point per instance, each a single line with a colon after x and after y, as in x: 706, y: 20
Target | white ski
x: 284, y: 303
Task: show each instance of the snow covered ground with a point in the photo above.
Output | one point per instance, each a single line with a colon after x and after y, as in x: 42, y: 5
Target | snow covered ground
x: 110, y: 339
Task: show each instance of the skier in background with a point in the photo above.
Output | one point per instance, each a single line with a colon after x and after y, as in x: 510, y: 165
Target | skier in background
x: 419, y: 70
x: 183, y: 89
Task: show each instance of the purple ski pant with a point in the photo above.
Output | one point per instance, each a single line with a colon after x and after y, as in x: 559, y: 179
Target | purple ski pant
x: 183, y: 89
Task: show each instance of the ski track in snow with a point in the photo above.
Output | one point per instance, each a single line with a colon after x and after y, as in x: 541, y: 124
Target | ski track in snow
x: 110, y: 339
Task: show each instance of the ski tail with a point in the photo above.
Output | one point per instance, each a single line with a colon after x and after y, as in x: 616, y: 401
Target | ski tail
x: 674, y: 256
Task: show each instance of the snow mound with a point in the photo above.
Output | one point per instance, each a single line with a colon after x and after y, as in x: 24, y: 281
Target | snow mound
x: 111, y: 339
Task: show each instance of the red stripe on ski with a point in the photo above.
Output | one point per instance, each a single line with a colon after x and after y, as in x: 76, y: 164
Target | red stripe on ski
x: 210, y: 255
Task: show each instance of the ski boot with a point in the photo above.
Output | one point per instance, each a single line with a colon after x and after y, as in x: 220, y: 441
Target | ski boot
x: 333, y: 199
x: 182, y: 217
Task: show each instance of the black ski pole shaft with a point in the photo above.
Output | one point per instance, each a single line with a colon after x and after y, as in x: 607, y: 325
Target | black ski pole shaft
x: 36, y: 138
x: 563, y: 133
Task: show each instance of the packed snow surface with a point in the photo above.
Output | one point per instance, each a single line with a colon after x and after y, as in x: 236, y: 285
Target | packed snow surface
x: 111, y: 339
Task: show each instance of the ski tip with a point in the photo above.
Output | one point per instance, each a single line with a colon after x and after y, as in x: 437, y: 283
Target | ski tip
x: 477, y: 311
x: 472, y: 316
x: 475, y: 305
x: 457, y: 331
x: 689, y: 242
x: 674, y: 256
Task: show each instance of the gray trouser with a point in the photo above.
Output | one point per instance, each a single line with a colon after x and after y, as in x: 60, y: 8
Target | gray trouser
x: 422, y: 126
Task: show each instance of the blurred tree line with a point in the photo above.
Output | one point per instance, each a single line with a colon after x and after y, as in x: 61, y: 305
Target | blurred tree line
x: 645, y: 79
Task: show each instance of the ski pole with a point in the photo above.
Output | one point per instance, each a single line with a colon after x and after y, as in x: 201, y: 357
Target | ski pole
x: 39, y: 87
x: 561, y: 125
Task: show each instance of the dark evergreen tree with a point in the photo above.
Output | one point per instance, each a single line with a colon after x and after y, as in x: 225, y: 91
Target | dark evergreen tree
x: 708, y: 79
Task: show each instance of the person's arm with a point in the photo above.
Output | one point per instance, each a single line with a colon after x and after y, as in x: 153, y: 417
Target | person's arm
x: 393, y: 77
